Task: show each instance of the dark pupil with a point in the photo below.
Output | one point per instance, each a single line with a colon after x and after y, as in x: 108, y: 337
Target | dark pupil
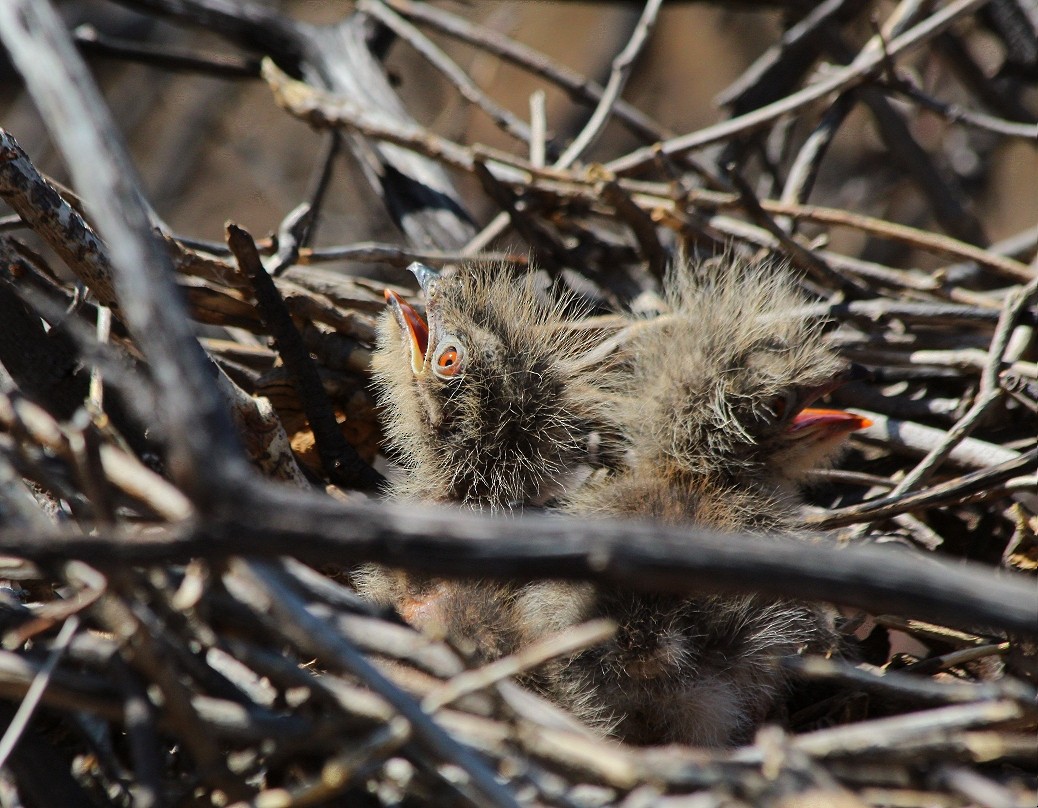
x: 448, y: 358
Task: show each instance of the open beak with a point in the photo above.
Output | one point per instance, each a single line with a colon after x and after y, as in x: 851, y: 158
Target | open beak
x: 823, y: 424
x: 426, y: 276
x: 411, y: 324
x: 410, y: 321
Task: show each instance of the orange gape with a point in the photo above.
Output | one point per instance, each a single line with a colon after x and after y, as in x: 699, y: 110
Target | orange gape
x: 838, y: 420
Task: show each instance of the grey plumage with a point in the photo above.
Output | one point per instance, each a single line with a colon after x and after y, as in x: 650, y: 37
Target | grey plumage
x: 710, y: 400
x: 508, y: 420
x: 715, y: 409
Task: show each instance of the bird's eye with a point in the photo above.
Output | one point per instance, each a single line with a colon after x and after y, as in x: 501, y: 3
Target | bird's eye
x: 783, y: 405
x: 448, y: 360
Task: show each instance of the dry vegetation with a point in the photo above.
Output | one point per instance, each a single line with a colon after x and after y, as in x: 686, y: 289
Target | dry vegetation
x: 185, y: 422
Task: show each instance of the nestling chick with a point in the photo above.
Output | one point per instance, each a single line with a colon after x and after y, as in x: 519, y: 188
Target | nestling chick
x: 488, y: 404
x: 721, y: 437
x: 718, y: 402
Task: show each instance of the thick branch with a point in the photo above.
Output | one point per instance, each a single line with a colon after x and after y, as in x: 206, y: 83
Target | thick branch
x: 640, y: 555
x: 205, y: 455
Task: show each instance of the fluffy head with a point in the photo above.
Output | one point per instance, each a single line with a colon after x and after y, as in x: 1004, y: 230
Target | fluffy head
x: 489, y: 402
x: 720, y: 386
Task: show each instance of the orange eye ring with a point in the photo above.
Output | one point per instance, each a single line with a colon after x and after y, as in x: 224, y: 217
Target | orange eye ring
x: 448, y: 362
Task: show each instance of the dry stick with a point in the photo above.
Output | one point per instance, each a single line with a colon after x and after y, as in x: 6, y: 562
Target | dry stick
x: 621, y: 69
x: 786, y: 60
x: 501, y: 117
x: 620, y: 72
x: 376, y: 253
x: 798, y: 253
x: 35, y: 692
x: 145, y: 652
x: 989, y: 393
x: 562, y: 643
x: 912, y: 236
x: 91, y: 693
x: 660, y: 196
x: 943, y: 193
x: 91, y: 41
x: 59, y: 224
x: 142, y: 735
x: 299, y: 227
x: 858, y: 72
x: 314, y: 636
x: 205, y: 457
x: 890, y: 733
x: 339, y: 770
x: 802, y: 174
x: 640, y: 555
x: 925, y: 313
x: 338, y: 457
x: 966, y: 488
x: 903, y: 85
x: 904, y: 684
x: 48, y: 213
x: 918, y: 440
x: 641, y: 224
x: 578, y: 87
x: 538, y: 128
x: 959, y: 657
x: 322, y: 110
x: 978, y: 789
x: 552, y: 251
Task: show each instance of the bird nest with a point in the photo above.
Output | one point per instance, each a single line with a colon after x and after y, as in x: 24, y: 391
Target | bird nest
x: 190, y: 451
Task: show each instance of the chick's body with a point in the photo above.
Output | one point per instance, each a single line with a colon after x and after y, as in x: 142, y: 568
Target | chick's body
x: 489, y: 405
x: 712, y: 406
x: 720, y: 436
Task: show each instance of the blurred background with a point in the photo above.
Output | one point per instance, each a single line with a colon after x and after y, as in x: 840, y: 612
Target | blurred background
x: 211, y: 149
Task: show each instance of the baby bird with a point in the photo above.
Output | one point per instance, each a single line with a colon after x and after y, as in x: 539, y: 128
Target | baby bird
x: 489, y: 404
x: 717, y: 406
x: 493, y: 404
x: 720, y: 436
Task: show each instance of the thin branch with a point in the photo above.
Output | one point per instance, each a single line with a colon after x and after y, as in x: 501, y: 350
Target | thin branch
x: 858, y: 72
x: 621, y: 71
x: 340, y: 459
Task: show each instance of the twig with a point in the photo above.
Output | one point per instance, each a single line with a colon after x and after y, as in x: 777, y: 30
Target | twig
x: 990, y: 390
x: 647, y: 557
x: 968, y: 488
x: 340, y: 459
x: 851, y: 76
x: 621, y: 71
x: 518, y: 54
x: 537, y: 653
x: 919, y: 440
x: 93, y: 42
x: 299, y: 228
x: 313, y: 636
x: 501, y: 117
x: 35, y: 692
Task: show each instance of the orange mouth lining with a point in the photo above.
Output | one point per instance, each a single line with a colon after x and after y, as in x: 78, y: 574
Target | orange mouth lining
x: 416, y: 327
x: 810, y: 419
